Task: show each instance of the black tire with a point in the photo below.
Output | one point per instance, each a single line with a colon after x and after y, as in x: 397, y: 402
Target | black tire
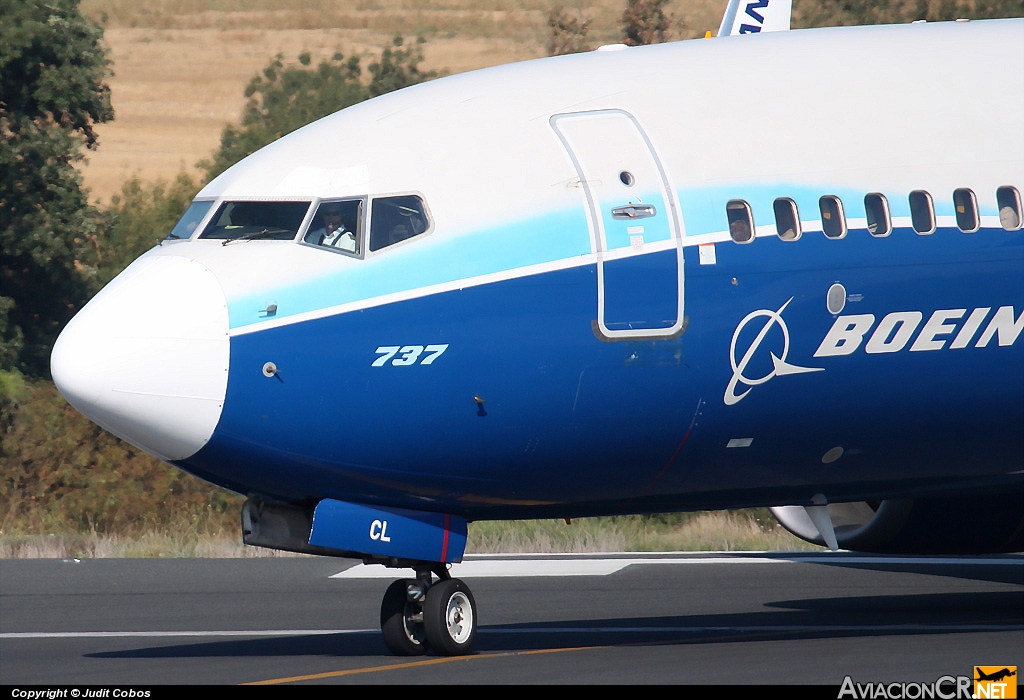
x: 402, y: 637
x: 449, y: 617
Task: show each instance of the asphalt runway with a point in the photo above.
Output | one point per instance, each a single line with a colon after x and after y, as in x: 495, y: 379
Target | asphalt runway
x: 713, y: 619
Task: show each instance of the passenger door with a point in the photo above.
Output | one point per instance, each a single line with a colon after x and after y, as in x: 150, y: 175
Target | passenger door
x: 634, y: 223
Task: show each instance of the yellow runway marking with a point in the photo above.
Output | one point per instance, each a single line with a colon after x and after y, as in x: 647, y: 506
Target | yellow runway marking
x: 413, y: 664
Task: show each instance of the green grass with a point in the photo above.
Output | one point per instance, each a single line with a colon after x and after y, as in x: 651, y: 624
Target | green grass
x: 749, y: 530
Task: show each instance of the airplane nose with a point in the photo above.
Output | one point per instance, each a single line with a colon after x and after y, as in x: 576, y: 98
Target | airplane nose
x: 147, y: 358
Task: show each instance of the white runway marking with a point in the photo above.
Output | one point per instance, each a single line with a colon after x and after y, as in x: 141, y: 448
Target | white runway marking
x: 485, y: 569
x: 496, y: 566
x: 181, y: 633
x: 697, y: 629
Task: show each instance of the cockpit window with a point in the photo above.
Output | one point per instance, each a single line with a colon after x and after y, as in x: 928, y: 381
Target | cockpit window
x: 336, y: 225
x: 189, y: 221
x: 275, y: 221
x: 395, y: 219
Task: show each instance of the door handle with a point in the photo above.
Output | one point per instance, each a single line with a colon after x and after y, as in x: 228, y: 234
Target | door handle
x: 634, y: 211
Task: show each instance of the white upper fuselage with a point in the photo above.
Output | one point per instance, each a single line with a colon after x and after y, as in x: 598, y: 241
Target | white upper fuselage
x: 795, y: 114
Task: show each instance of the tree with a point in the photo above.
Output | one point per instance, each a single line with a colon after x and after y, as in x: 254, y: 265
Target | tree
x: 567, y: 34
x: 285, y: 98
x: 398, y: 67
x: 139, y: 216
x: 52, y: 94
x: 645, y: 22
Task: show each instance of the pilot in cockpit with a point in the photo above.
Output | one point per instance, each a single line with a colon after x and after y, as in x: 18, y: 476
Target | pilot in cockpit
x: 333, y: 233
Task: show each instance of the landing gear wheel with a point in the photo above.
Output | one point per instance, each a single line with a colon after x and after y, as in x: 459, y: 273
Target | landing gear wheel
x: 401, y: 621
x: 449, y: 617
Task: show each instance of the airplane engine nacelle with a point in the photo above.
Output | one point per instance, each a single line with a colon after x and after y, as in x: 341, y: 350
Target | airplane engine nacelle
x: 971, y: 524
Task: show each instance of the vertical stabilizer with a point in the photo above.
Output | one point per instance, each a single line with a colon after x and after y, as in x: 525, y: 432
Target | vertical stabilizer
x: 754, y: 16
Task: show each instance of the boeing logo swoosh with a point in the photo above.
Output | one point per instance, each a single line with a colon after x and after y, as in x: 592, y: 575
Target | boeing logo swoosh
x: 779, y: 365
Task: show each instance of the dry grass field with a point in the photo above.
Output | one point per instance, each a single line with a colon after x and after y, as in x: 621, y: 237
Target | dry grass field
x: 724, y: 531
x: 180, y: 66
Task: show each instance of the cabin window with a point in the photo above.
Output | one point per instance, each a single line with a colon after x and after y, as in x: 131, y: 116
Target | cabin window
x: 741, y: 221
x: 336, y: 225
x: 1008, y: 201
x: 787, y: 220
x: 966, y: 206
x: 876, y: 207
x: 189, y: 221
x: 922, y: 212
x: 396, y: 219
x: 273, y: 221
x: 833, y: 224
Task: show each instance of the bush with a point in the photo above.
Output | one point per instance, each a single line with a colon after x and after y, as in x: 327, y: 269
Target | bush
x: 567, y: 34
x: 284, y: 98
x: 61, y: 473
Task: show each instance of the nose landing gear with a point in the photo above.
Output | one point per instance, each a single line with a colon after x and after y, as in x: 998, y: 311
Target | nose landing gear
x: 449, y: 617
x: 417, y: 614
x: 401, y: 619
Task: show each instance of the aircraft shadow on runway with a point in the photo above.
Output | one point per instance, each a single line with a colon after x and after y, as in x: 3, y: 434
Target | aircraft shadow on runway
x: 814, y: 618
x: 965, y: 569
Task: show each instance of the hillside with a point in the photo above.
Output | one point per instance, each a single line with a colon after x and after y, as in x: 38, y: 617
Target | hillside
x: 181, y: 66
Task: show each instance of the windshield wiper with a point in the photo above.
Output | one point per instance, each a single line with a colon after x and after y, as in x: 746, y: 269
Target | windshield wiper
x: 264, y: 233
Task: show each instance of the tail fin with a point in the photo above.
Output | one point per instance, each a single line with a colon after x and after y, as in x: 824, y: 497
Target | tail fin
x: 753, y: 16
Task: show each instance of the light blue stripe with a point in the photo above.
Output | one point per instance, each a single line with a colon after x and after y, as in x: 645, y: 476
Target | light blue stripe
x: 556, y: 236
x: 544, y: 239
x: 703, y: 209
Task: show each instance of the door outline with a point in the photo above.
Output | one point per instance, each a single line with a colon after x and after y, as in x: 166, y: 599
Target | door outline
x: 598, y: 234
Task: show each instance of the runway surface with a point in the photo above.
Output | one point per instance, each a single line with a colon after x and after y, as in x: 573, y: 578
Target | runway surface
x: 620, y: 619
